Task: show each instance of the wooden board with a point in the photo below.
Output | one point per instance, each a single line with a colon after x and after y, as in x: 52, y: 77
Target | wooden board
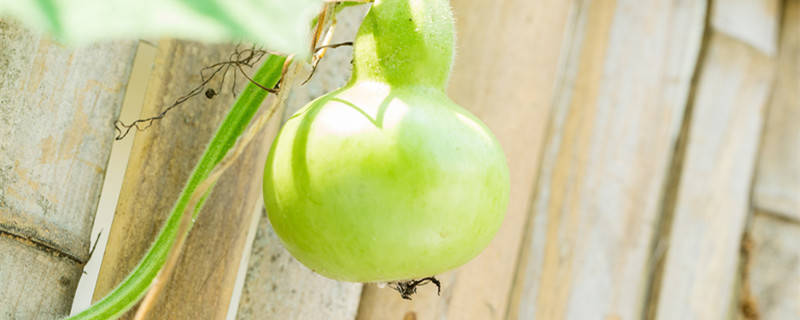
x: 57, y: 106
x: 774, y: 267
x: 618, y: 114
x: 753, y: 22
x: 711, y: 204
x: 505, y: 72
x: 161, y: 161
x: 276, y: 285
x: 777, y: 183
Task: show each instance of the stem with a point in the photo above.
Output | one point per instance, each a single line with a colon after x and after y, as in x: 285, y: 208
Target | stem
x: 405, y: 43
x: 202, y: 190
x: 135, y: 285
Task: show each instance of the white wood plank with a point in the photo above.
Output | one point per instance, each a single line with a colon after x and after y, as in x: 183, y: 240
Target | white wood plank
x: 618, y: 115
x: 773, y: 269
x: 711, y: 206
x: 750, y: 21
x: 777, y: 184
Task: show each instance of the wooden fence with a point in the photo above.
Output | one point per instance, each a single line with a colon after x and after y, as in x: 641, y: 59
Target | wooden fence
x: 654, y: 149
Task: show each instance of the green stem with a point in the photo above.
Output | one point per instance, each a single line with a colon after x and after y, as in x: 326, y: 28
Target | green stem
x: 405, y: 43
x: 134, y: 287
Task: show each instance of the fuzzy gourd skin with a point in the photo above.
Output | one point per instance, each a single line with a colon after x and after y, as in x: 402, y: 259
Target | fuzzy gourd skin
x: 387, y: 179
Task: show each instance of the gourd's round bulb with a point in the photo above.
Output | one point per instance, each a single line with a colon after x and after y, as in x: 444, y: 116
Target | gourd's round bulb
x: 387, y: 179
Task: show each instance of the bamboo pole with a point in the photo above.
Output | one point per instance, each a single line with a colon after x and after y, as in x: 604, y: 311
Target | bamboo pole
x: 57, y: 107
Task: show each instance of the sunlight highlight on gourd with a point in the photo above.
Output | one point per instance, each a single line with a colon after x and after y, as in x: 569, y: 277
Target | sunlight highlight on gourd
x: 386, y: 179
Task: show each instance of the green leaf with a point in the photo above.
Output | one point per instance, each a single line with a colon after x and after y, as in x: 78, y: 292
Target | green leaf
x: 280, y: 25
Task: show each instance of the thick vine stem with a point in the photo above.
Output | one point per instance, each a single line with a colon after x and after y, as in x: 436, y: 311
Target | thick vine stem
x: 135, y: 285
x: 202, y: 190
x: 155, y: 269
x: 289, y: 72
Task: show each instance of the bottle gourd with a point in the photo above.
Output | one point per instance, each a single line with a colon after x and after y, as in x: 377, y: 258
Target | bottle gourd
x: 387, y: 179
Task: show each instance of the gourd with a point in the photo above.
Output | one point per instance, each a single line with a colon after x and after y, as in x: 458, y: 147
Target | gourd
x: 387, y: 179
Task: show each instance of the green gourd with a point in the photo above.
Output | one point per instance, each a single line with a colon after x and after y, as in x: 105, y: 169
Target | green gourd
x: 386, y: 179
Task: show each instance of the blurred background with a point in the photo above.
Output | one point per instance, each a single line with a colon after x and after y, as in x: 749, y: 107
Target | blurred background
x: 654, y: 149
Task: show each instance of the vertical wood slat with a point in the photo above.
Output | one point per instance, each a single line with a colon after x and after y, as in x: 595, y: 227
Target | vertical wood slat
x: 773, y: 268
x: 504, y: 73
x: 711, y: 203
x: 162, y: 158
x: 777, y: 184
x: 57, y: 106
x: 112, y: 183
x: 618, y: 115
x: 277, y: 286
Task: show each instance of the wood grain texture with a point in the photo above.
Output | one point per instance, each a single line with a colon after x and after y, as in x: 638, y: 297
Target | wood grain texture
x: 276, y: 285
x: 774, y: 267
x: 777, y: 183
x: 507, y: 58
x: 711, y: 206
x: 618, y: 111
x: 162, y: 159
x: 57, y: 106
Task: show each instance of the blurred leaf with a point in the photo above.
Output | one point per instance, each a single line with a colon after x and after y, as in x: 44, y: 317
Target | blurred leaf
x: 280, y: 25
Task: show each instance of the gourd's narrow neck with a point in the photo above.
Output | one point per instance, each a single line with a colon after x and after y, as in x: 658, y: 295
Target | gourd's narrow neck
x: 405, y: 42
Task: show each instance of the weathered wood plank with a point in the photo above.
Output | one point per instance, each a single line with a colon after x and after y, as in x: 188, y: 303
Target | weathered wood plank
x: 711, y: 204
x: 505, y: 73
x: 759, y: 29
x: 777, y: 184
x: 618, y: 113
x: 161, y: 161
x: 276, y: 285
x: 774, y: 267
x: 57, y: 106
